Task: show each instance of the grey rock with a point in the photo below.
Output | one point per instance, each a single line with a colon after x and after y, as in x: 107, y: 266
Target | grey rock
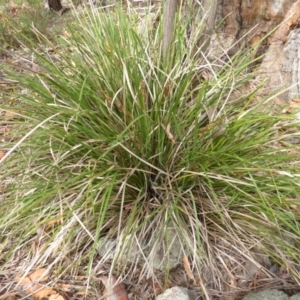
x: 175, y: 293
x: 158, y: 252
x: 295, y: 297
x: 267, y: 295
x: 159, y: 255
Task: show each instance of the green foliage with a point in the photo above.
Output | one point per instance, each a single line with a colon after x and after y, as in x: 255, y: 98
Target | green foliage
x: 118, y: 143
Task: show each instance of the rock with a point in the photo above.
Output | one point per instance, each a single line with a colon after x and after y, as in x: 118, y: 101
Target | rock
x: 157, y: 251
x: 175, y: 293
x: 280, y: 64
x: 268, y: 295
x: 156, y: 254
x: 295, y: 297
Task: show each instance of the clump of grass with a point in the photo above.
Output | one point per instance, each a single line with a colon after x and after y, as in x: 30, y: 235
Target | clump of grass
x: 120, y: 145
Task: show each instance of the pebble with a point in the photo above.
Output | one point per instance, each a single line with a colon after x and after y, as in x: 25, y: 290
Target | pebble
x: 174, y: 293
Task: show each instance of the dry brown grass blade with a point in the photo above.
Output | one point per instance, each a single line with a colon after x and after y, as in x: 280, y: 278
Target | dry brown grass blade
x: 187, y: 268
x: 169, y: 134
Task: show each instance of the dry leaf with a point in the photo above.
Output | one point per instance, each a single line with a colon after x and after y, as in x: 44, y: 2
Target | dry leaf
x: 56, y: 297
x: 8, y: 296
x: 39, y: 275
x: 31, y: 285
x: 2, y: 153
x: 46, y: 293
x: 114, y: 290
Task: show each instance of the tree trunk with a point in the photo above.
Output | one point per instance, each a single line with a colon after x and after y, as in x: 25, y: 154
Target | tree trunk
x: 247, y: 21
x: 168, y: 29
x: 209, y: 15
x: 55, y: 5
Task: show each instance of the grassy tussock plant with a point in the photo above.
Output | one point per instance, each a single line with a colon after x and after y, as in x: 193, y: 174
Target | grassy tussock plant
x: 125, y: 148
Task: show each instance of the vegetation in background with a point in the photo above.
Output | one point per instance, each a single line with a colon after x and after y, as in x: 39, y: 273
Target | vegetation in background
x: 120, y: 145
x: 15, y: 20
x: 19, y: 22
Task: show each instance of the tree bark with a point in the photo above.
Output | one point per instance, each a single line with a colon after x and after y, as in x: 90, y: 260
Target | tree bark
x: 168, y: 29
x: 209, y: 15
x: 55, y: 5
